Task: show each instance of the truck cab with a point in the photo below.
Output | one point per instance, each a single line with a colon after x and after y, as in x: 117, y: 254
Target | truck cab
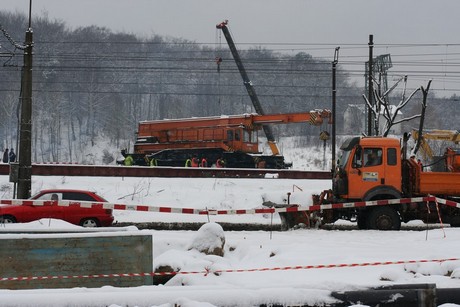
x: 368, y: 168
x: 376, y: 169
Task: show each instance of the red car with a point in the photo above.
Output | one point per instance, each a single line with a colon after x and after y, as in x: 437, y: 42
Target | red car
x: 74, y: 214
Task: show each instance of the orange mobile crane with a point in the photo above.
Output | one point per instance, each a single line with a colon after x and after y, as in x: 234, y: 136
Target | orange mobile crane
x: 234, y: 138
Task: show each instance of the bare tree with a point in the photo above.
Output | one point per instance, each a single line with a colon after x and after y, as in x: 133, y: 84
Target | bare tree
x: 383, y: 108
x: 422, y: 118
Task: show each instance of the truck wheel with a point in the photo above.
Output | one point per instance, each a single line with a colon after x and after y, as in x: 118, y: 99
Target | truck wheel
x: 455, y: 221
x: 383, y: 218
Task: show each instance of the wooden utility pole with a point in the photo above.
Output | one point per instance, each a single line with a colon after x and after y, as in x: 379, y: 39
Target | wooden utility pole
x: 25, y: 133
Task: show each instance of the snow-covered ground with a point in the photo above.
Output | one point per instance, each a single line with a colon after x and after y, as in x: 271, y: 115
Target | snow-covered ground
x: 246, y: 250
x: 199, y: 193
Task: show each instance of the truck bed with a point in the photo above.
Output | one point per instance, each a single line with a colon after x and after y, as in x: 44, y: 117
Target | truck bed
x: 439, y: 183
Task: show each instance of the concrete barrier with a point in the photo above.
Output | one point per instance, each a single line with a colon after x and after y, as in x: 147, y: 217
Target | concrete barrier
x: 407, y: 295
x: 74, y: 254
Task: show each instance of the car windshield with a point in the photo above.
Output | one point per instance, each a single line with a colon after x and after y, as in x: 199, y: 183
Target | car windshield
x: 46, y: 196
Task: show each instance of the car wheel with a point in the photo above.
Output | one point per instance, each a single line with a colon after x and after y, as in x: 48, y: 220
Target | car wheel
x: 7, y: 219
x: 90, y: 222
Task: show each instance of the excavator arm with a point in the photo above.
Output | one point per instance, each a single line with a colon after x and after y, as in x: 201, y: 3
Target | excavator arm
x: 426, y: 149
x: 451, y: 155
x: 435, y: 134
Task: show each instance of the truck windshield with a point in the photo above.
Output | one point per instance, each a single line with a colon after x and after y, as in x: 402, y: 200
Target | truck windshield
x: 343, y: 158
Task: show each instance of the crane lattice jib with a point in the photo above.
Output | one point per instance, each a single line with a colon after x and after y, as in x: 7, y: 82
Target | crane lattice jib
x: 247, y: 83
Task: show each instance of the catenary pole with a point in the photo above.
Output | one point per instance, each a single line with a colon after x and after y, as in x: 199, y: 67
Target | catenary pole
x: 370, y: 86
x: 25, y: 133
x: 334, y: 103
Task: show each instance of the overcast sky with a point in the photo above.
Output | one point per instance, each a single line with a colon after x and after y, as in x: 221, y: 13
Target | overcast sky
x: 280, y: 21
x: 283, y: 22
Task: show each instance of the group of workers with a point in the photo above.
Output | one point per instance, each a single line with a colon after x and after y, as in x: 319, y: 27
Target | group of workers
x: 191, y: 162
x: 129, y: 161
x: 203, y: 162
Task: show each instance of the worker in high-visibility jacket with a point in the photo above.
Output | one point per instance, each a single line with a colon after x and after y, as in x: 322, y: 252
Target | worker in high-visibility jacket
x: 128, y: 160
x: 153, y: 162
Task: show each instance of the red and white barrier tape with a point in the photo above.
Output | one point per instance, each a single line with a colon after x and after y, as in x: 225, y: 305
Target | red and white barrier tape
x: 292, y: 208
x: 210, y: 271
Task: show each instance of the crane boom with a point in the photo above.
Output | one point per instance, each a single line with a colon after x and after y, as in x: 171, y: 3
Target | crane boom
x: 248, y: 84
x: 246, y: 121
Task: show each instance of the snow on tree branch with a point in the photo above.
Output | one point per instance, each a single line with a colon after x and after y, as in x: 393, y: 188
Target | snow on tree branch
x: 382, y: 107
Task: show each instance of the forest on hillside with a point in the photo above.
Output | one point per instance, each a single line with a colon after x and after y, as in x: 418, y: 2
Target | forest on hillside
x: 91, y: 85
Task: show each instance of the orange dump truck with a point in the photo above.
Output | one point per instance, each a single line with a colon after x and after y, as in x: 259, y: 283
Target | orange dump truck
x: 377, y: 169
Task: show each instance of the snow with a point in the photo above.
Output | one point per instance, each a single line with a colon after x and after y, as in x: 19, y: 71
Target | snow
x: 259, y: 254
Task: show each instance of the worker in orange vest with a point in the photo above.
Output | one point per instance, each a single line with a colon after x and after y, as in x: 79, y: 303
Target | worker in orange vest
x: 195, y: 161
x: 220, y: 163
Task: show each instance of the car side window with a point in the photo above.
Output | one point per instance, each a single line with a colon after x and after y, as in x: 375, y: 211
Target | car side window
x: 50, y: 196
x: 77, y: 196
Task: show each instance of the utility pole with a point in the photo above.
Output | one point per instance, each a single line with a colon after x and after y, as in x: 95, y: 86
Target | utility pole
x: 370, y: 87
x: 25, y: 134
x: 334, y: 102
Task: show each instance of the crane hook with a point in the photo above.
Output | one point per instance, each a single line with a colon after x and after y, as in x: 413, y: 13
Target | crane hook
x: 218, y: 61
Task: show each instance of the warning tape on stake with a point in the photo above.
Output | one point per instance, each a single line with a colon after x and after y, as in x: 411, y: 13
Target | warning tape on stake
x: 208, y: 271
x: 292, y: 208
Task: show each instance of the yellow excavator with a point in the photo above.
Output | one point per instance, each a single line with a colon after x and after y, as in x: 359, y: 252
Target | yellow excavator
x: 451, y: 155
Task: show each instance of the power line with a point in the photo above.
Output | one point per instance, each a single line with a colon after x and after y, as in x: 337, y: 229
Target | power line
x: 174, y: 93
x: 433, y: 65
